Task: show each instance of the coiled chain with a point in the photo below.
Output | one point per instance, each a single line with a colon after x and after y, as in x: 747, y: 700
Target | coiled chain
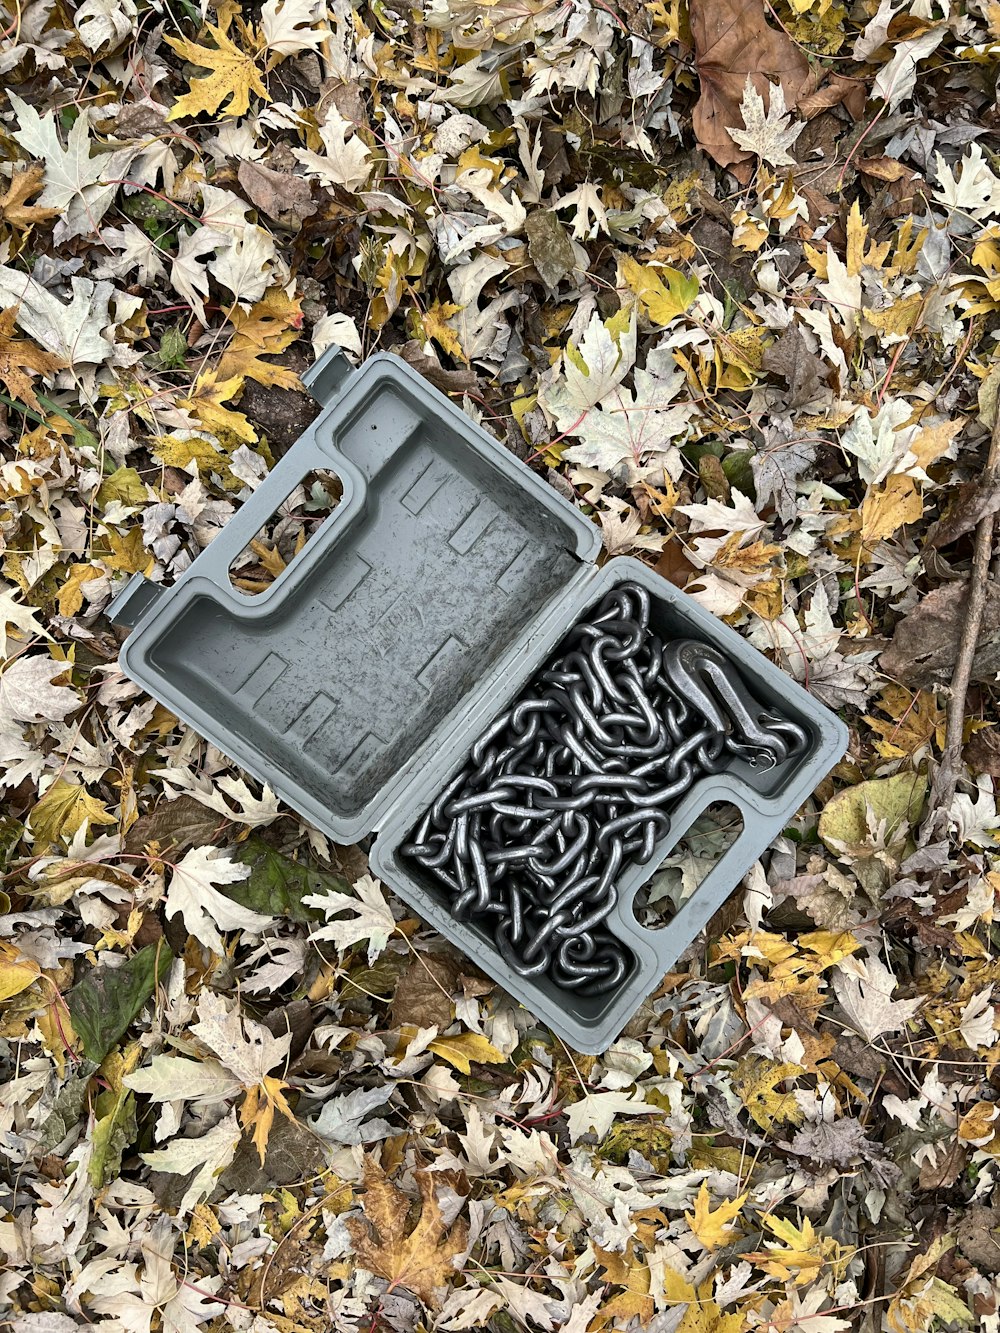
x: 576, y: 780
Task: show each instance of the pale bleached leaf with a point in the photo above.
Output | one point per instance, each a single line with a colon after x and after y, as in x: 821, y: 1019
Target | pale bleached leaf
x: 768, y: 136
x: 192, y: 894
x: 371, y: 918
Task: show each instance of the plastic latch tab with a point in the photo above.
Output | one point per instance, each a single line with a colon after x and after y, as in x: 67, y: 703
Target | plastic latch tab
x: 326, y: 377
x: 138, y: 596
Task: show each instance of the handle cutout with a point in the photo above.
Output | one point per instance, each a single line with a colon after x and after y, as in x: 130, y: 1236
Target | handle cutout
x: 679, y: 874
x: 286, y: 532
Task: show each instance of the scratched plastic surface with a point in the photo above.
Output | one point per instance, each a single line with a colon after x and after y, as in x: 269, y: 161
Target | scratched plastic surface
x: 357, y: 683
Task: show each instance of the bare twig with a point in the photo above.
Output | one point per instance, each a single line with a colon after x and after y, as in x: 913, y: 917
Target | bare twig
x: 946, y: 776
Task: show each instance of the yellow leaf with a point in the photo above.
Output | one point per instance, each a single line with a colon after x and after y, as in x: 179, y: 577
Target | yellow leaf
x: 711, y: 1227
x: 887, y: 507
x: 16, y: 973
x: 934, y: 441
x: 914, y: 721
x: 269, y: 327
x: 205, y: 402
x: 234, y: 75
x: 435, y: 322
x: 14, y: 208
x: 900, y: 319
x: 755, y: 1079
x: 71, y: 592
x: 829, y: 946
x: 662, y: 301
x: 467, y: 1046
x: 62, y: 811
x: 20, y: 358
x: 803, y: 1253
x: 978, y: 1127
x: 128, y: 555
x: 258, y: 1108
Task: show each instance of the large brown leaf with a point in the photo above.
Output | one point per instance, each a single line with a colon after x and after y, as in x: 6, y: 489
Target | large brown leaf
x: 732, y: 40
x: 421, y: 1260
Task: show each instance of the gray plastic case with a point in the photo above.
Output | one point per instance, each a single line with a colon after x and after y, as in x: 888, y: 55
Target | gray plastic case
x: 358, y: 681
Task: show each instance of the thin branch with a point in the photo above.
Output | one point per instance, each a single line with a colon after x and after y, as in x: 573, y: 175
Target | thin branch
x: 946, y: 777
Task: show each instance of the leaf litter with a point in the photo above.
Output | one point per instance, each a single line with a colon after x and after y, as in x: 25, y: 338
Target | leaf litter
x: 728, y: 275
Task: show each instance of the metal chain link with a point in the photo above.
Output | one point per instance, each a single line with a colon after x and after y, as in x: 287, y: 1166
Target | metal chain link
x: 575, y: 780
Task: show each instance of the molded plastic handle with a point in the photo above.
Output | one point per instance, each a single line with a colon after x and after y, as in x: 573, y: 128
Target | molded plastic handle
x: 309, y: 454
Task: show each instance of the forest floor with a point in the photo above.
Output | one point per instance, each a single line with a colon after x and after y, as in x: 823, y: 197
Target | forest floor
x: 726, y: 274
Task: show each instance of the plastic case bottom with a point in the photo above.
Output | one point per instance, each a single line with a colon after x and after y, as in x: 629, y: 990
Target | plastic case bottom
x: 765, y: 801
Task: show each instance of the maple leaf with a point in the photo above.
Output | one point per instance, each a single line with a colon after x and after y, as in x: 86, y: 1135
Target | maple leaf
x: 63, y: 811
x: 769, y: 136
x: 347, y: 159
x: 27, y: 691
x: 18, y: 357
x: 267, y: 328
x: 286, y: 27
x: 206, y: 1157
x: 803, y: 1253
x: 14, y: 207
x: 234, y: 75
x: 589, y: 372
x: 597, y: 1110
x: 865, y: 995
x: 249, y: 1051
x: 206, y: 402
x: 711, y: 1227
x: 756, y: 1079
x: 204, y: 910
x: 663, y: 292
x: 468, y: 1046
x: 79, y: 185
x: 422, y: 1260
x: 373, y: 919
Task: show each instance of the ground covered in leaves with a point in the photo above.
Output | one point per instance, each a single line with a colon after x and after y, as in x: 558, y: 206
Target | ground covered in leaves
x: 727, y: 272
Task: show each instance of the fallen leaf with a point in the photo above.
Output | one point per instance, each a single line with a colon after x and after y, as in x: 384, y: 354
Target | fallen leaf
x: 27, y: 690
x: 234, y: 76
x: 280, y: 195
x: 62, y: 811
x: 193, y: 894
x: 865, y: 995
x: 466, y: 1047
x: 109, y: 998
x: 924, y: 647
x: 768, y: 136
x: 733, y: 42
x: 16, y: 973
x: 421, y: 1261
x: 887, y: 507
x: 14, y: 207
x: 711, y: 1226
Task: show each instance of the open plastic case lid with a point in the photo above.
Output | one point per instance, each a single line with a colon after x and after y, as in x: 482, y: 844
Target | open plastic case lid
x: 355, y: 672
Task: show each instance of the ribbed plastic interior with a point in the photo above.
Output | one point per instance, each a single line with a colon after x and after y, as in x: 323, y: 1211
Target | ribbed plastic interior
x: 406, y: 607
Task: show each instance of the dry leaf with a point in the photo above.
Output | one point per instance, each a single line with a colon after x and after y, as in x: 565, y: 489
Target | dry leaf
x: 734, y: 43
x: 421, y: 1260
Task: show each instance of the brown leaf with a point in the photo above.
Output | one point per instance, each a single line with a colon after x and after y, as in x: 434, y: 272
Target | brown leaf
x: 424, y: 991
x: 924, y: 648
x: 282, y: 197
x: 448, y: 381
x: 972, y: 501
x: 14, y: 207
x: 801, y: 369
x: 549, y: 246
x: 733, y: 41
x: 421, y: 1261
x: 19, y: 359
x: 982, y: 753
x: 175, y: 827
